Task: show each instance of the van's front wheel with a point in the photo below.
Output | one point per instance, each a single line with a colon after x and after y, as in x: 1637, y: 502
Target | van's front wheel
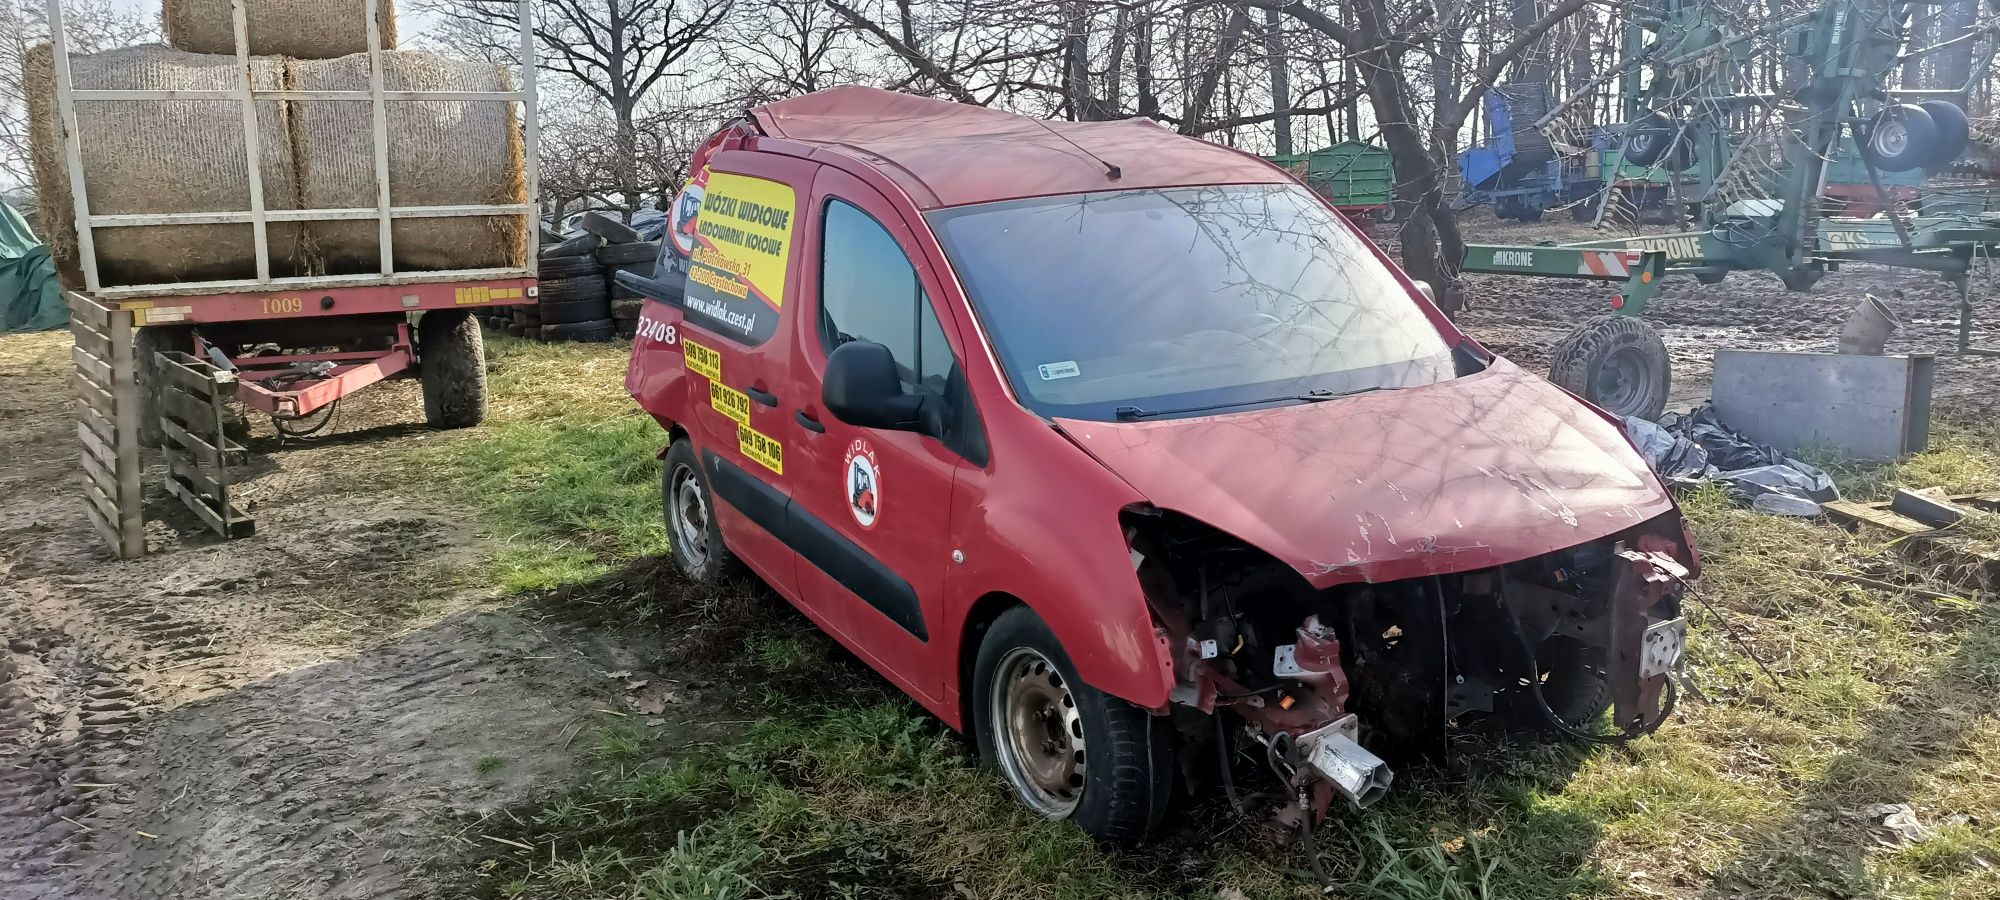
x: 1068, y: 750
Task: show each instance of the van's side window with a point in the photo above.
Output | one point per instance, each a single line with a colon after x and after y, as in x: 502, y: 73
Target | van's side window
x: 868, y: 291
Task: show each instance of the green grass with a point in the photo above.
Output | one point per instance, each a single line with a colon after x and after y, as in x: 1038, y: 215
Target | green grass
x: 1757, y: 789
x: 488, y: 764
x: 566, y: 471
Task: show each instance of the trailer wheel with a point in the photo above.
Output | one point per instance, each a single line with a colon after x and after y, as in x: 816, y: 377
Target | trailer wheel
x: 1068, y: 750
x: 1954, y: 132
x: 453, y: 354
x: 1901, y: 138
x: 147, y: 341
x: 693, y: 537
x: 1616, y: 362
x: 1652, y: 137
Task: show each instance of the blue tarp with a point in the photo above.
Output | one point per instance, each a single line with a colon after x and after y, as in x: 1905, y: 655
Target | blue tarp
x: 30, y: 300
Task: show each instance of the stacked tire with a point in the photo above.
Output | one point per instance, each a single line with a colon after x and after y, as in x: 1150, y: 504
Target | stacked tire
x: 578, y: 299
x: 637, y: 257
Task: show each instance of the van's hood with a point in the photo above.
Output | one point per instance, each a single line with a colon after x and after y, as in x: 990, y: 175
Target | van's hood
x: 1492, y: 468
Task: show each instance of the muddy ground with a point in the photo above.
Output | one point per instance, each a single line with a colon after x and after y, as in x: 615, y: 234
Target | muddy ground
x: 1523, y: 318
x: 317, y: 710
x: 302, y: 713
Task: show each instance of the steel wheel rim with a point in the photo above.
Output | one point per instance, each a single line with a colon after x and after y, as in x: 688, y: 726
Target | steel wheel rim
x: 1038, y: 732
x: 1620, y: 381
x: 1891, y: 137
x: 689, y: 511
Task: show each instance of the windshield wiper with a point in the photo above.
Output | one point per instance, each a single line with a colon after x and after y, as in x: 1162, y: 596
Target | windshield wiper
x: 1316, y: 395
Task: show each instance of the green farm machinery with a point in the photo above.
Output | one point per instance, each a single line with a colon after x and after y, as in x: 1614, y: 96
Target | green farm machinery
x: 1759, y: 124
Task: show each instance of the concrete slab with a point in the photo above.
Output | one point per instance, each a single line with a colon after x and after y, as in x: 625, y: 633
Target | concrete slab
x: 1864, y: 407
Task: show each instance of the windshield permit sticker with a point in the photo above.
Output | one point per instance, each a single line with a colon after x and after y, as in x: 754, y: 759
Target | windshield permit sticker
x: 864, y: 484
x: 1065, y: 369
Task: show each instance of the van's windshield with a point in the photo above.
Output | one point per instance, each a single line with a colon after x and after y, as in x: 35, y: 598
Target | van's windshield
x: 1159, y: 303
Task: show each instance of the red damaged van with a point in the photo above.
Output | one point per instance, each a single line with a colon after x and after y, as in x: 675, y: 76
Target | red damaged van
x: 1127, y: 454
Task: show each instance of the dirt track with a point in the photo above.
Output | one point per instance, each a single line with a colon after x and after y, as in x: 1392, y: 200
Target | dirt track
x: 296, y: 714
x: 1523, y: 318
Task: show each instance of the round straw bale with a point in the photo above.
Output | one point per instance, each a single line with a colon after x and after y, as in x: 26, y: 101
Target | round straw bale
x: 305, y: 29
x: 152, y: 156
x: 441, y: 153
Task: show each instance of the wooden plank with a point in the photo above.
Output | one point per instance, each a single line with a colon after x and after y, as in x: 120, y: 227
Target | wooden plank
x: 91, y: 393
x: 104, y: 527
x: 94, y: 342
x: 96, y: 369
x: 183, y: 465
x: 197, y: 413
x: 125, y: 393
x: 103, y: 474
x: 96, y: 497
x: 97, y: 422
x: 95, y: 444
x: 202, y: 450
x: 83, y: 309
x: 235, y: 526
x: 200, y: 378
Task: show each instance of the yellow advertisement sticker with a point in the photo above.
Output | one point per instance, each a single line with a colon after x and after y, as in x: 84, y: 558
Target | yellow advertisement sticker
x: 762, y: 448
x: 703, y: 360
x: 746, y: 231
x: 731, y: 402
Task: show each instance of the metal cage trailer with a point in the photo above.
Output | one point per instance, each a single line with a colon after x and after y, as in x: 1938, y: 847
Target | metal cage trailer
x: 292, y: 347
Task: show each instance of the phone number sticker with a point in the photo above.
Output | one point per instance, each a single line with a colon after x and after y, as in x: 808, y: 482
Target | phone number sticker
x: 761, y: 447
x: 731, y: 402
x: 703, y: 359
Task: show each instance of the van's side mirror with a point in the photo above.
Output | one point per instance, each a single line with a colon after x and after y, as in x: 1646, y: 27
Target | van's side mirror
x: 863, y: 389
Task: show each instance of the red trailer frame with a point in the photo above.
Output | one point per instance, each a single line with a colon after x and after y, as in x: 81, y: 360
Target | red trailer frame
x: 292, y: 385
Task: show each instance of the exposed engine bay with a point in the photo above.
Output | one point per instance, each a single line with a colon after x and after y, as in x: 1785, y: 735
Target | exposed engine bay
x: 1329, y: 686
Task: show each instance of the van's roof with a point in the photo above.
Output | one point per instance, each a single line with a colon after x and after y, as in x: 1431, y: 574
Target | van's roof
x: 952, y: 154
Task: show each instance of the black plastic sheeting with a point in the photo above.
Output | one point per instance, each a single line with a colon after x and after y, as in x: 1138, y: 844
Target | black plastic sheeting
x: 1696, y: 449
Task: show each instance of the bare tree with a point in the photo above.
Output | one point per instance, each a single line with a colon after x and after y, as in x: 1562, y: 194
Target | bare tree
x: 91, y: 26
x: 620, y: 51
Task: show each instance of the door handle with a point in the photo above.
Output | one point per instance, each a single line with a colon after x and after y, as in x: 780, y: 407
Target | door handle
x: 762, y: 396
x: 809, y: 423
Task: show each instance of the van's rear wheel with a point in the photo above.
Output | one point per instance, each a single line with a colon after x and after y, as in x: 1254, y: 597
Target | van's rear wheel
x: 1068, y: 750
x: 693, y: 536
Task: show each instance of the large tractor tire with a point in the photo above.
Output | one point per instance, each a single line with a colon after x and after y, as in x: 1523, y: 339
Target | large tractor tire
x: 454, y: 369
x: 1652, y: 138
x: 1618, y: 363
x: 147, y: 341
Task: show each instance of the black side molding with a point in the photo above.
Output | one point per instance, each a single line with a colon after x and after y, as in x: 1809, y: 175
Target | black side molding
x: 818, y: 543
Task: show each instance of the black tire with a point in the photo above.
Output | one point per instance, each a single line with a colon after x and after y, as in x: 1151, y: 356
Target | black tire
x: 568, y: 267
x: 616, y: 255
x: 1954, y: 132
x: 581, y: 245
x: 1900, y: 138
x: 596, y: 331
x: 704, y: 559
x: 608, y: 228
x: 566, y: 290
x: 627, y: 307
x: 1531, y: 211
x: 515, y: 329
x: 1618, y: 363
x: 1651, y: 138
x: 147, y: 341
x: 453, y: 354
x: 566, y: 312
x: 1128, y: 771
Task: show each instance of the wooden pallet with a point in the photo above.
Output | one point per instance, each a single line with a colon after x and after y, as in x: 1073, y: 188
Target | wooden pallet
x: 199, y: 456
x: 1969, y: 559
x: 107, y: 423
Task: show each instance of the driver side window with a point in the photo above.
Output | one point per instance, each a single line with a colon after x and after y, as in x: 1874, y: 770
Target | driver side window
x: 869, y: 291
